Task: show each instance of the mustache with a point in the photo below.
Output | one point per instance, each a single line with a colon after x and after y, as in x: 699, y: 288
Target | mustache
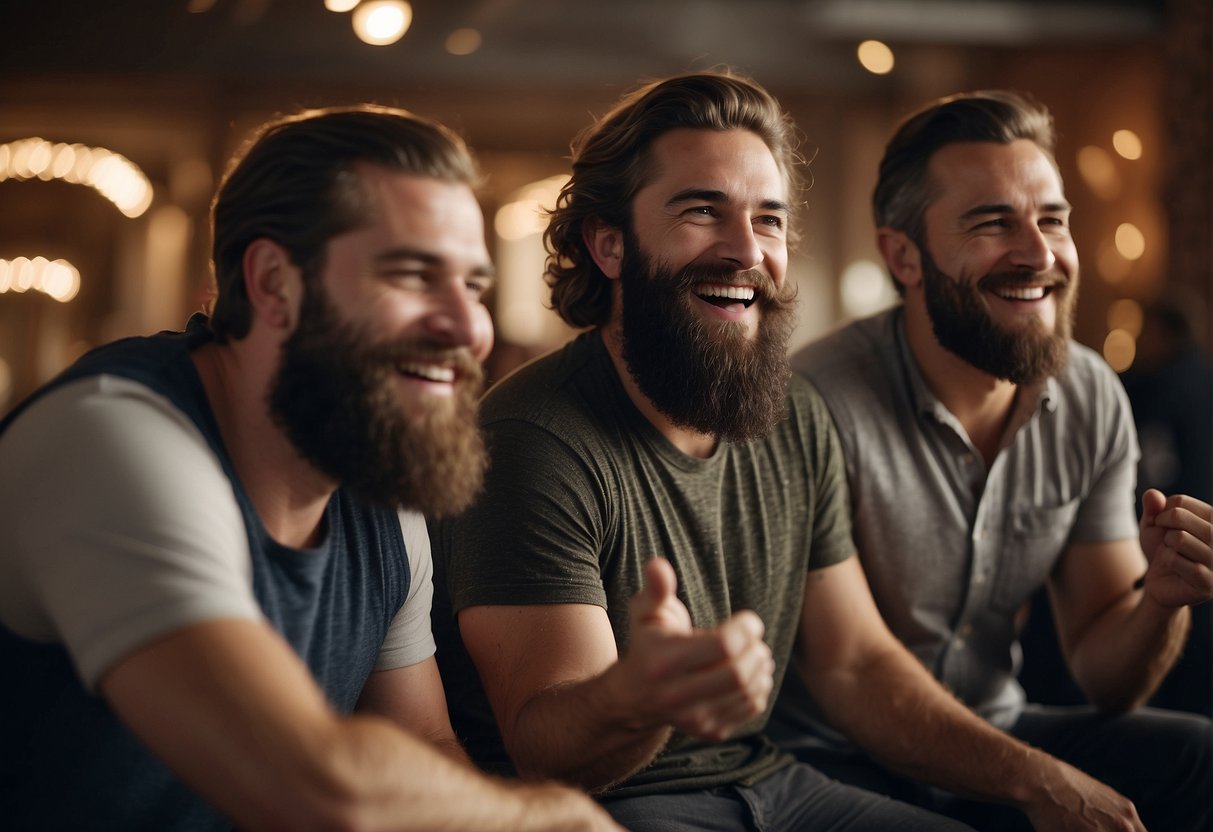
x: 765, y: 290
x: 460, y: 359
x: 1023, y: 277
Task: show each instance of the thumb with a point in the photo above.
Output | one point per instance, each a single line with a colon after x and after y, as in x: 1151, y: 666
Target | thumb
x: 1152, y: 502
x: 660, y: 587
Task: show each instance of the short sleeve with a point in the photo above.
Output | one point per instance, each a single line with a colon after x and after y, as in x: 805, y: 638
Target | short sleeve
x: 832, y: 538
x: 409, y: 639
x: 120, y: 525
x: 535, y: 533
x: 1108, y: 511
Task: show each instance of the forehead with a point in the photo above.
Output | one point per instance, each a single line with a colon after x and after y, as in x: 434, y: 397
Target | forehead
x: 967, y: 174
x: 730, y: 161
x: 400, y: 201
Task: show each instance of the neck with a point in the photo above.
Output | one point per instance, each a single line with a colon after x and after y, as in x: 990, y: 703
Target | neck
x: 690, y: 442
x: 980, y: 402
x: 288, y: 493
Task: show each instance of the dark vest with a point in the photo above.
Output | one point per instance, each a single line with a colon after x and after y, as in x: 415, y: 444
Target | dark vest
x: 66, y: 762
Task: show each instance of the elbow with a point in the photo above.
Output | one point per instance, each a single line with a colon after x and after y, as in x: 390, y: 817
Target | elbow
x: 1113, y: 702
x: 587, y: 778
x: 1113, y: 695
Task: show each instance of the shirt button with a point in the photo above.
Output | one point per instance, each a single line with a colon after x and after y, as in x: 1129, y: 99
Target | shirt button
x: 958, y: 643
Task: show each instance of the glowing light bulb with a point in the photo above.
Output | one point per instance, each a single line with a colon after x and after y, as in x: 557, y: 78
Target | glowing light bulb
x: 875, y: 57
x: 382, y: 22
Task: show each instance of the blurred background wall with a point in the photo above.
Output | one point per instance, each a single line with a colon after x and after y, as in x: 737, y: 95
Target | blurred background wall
x: 172, y: 86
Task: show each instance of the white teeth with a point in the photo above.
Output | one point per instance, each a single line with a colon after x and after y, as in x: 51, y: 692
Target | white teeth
x: 429, y: 372
x: 714, y: 290
x: 1023, y: 293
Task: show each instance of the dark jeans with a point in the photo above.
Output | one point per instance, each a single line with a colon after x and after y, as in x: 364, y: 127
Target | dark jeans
x: 1161, y: 760
x: 794, y: 799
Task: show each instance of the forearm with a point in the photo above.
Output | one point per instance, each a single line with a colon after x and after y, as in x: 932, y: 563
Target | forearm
x: 383, y: 778
x: 585, y: 733
x: 1121, y: 659
x: 921, y: 731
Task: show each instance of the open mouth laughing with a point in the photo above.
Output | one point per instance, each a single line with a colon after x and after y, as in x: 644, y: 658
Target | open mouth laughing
x: 427, y: 372
x: 725, y: 296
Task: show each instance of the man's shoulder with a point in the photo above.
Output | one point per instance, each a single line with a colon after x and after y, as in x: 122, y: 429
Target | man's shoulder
x: 553, y: 389
x: 850, y: 354
x: 1086, y: 377
x: 853, y: 368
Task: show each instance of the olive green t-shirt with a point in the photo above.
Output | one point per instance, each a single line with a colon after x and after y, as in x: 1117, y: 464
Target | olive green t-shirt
x: 582, y: 490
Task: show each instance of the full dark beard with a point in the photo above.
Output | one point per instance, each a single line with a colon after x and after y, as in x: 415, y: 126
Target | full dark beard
x: 334, y: 398
x: 704, y: 375
x: 964, y: 327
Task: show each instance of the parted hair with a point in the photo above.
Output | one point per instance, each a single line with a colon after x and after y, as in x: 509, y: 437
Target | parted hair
x: 610, y: 163
x: 296, y: 182
x: 903, y: 187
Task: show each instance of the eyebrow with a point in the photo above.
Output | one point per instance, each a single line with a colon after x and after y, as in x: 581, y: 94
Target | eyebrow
x: 1002, y: 208
x: 708, y: 195
x: 394, y: 255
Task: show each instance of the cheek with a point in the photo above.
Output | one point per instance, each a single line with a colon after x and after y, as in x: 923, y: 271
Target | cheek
x: 482, y: 333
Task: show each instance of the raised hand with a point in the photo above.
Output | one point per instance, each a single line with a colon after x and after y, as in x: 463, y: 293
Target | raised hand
x: 705, y: 683
x: 1177, y: 537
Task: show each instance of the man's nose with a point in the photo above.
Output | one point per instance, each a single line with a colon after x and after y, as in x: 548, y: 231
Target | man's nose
x: 1031, y: 249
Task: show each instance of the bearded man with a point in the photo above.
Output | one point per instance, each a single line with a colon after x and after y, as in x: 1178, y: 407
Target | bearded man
x: 214, y: 579
x: 664, y: 530
x: 989, y: 455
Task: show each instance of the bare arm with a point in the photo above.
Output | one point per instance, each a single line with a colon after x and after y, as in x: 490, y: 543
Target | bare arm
x: 569, y: 707
x: 882, y: 697
x: 413, y: 698
x: 232, y: 711
x: 1120, y: 641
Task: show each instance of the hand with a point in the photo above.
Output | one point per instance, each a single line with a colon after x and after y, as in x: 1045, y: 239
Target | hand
x: 1075, y: 802
x: 1176, y: 535
x: 705, y: 683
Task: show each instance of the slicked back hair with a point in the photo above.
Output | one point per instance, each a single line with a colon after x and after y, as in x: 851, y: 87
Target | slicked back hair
x: 903, y: 187
x: 296, y: 182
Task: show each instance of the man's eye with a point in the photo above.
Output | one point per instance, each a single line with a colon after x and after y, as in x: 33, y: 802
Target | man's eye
x: 771, y: 220
x: 478, y: 288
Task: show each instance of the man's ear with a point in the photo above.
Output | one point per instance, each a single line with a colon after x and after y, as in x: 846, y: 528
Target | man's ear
x: 605, y: 244
x: 901, y: 254
x: 273, y: 284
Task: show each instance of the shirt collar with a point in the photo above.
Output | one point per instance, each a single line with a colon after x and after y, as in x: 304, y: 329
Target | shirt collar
x: 1041, y: 397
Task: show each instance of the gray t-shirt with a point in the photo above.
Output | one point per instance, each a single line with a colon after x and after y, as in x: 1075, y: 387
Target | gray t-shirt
x: 950, y: 549
x: 583, y: 490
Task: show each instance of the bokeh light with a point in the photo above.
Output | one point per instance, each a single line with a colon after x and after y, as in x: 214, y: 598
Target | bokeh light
x: 875, y: 57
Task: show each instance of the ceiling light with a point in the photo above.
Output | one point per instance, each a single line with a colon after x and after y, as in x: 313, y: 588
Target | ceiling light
x: 876, y: 57
x: 381, y: 22
x: 463, y: 41
x: 1127, y: 144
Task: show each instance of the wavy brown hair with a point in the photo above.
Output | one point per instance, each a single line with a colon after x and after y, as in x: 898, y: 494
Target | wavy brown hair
x: 611, y: 163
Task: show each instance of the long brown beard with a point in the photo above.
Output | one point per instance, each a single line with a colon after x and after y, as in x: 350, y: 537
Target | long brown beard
x: 963, y: 325
x: 708, y: 376
x: 334, y: 398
